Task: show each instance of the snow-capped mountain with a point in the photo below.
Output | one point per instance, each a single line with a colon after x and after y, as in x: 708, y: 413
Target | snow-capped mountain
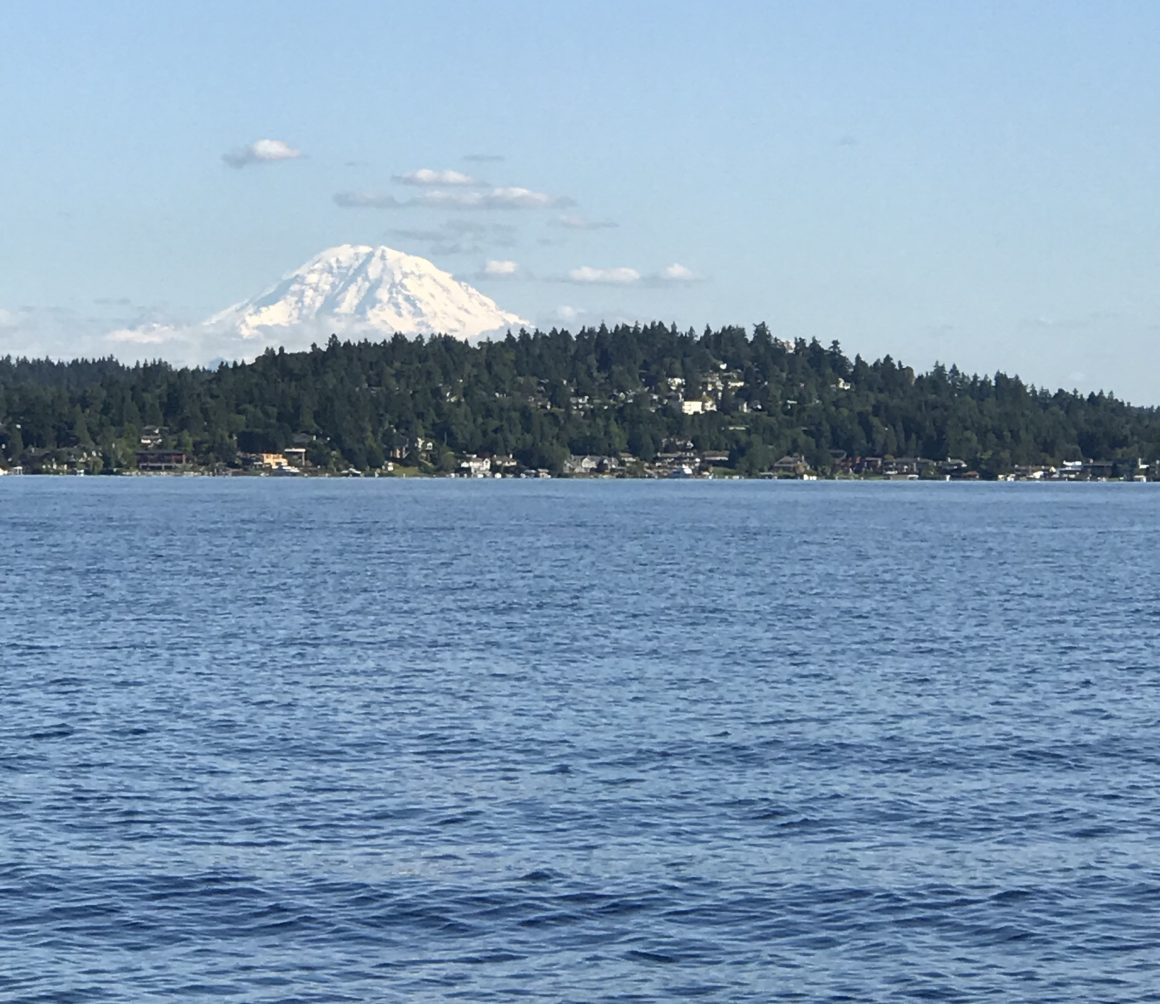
x: 353, y: 291
x: 356, y: 289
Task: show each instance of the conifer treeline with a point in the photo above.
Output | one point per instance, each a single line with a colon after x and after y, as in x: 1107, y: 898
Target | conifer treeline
x: 541, y: 396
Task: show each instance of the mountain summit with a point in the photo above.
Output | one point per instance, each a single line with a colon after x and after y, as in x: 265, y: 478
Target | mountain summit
x: 353, y: 291
x: 365, y: 291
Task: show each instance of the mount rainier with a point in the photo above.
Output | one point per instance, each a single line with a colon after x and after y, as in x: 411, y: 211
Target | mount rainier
x: 352, y: 290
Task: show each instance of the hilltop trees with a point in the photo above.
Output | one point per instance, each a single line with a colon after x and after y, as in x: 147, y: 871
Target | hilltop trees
x: 542, y: 395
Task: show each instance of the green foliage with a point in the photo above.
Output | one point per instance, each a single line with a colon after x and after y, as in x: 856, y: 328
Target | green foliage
x: 540, y: 396
x: 259, y: 441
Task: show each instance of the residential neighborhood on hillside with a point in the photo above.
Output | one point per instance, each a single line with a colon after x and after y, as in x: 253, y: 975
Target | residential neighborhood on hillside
x: 639, y: 401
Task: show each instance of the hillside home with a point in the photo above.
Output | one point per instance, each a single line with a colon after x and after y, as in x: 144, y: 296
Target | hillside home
x: 475, y: 467
x: 160, y: 460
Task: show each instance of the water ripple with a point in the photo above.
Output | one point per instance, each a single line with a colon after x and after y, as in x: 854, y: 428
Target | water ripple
x: 350, y: 742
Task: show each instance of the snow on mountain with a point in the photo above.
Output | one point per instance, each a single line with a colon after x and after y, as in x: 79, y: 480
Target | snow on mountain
x: 353, y: 291
x: 356, y: 289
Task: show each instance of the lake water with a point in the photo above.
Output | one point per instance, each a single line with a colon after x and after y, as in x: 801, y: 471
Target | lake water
x: 275, y: 740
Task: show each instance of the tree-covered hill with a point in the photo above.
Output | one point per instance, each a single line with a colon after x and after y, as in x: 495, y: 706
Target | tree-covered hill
x: 542, y: 396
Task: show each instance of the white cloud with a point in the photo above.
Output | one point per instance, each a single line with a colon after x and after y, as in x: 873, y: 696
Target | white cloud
x: 458, y: 237
x: 569, y: 316
x: 495, y: 231
x: 587, y: 275
x: 366, y: 200
x: 573, y: 221
x: 63, y: 333
x: 508, y: 197
x: 448, y: 248
x: 670, y: 275
x: 419, y: 235
x: 427, y: 176
x: 147, y: 334
x: 676, y: 272
x: 503, y: 197
x: 261, y: 151
x: 500, y: 268
x: 468, y: 195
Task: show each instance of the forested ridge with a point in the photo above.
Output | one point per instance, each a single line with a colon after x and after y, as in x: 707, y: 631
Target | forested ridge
x: 541, y: 396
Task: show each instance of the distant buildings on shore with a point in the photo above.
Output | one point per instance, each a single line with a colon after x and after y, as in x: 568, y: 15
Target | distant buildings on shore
x: 677, y: 458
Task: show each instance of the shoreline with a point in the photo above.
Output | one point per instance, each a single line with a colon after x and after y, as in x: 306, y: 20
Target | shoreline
x: 418, y: 476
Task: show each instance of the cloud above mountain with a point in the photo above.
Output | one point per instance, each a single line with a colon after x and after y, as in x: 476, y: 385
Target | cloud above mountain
x: 452, y: 190
x: 366, y: 200
x: 676, y: 272
x: 261, y: 151
x: 500, y: 268
x: 427, y: 176
x: 586, y: 275
x: 623, y: 275
x: 573, y: 221
x: 501, y: 197
x: 458, y: 236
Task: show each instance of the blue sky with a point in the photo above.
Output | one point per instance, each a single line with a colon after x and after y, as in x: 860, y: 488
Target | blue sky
x: 971, y: 182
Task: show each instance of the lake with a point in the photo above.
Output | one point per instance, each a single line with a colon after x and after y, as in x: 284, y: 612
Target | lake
x: 318, y: 740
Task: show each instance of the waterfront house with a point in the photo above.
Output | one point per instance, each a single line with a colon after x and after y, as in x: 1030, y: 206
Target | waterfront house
x: 581, y: 466
x: 475, y: 467
x: 155, y: 461
x: 790, y: 466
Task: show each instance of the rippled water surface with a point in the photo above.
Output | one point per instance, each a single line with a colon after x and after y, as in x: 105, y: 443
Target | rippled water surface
x: 432, y: 741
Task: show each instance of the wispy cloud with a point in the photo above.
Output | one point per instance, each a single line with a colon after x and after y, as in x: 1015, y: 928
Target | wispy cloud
x: 586, y: 275
x: 573, y: 221
x: 366, y: 200
x: 570, y: 316
x: 458, y: 237
x: 501, y: 197
x: 427, y: 176
x: 419, y: 235
x: 567, y: 313
x: 1074, y: 322
x: 62, y: 333
x: 147, y: 334
x: 494, y: 234
x: 676, y: 272
x: 491, y: 230
x: 449, y: 248
x: 500, y: 268
x: 260, y: 152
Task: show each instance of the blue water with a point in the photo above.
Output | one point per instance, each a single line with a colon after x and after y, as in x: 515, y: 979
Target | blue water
x: 432, y: 741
